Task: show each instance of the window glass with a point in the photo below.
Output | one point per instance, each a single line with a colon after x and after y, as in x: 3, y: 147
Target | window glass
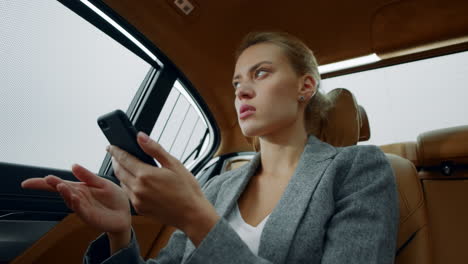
x: 58, y: 75
x: 181, y: 128
x: 405, y: 100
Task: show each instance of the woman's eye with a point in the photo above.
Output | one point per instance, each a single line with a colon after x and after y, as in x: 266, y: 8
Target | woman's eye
x: 236, y: 85
x: 260, y: 73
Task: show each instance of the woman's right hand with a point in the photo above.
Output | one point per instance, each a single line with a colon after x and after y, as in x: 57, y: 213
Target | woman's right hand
x: 100, y: 203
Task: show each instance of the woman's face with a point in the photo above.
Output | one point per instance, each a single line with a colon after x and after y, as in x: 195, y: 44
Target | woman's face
x: 266, y: 88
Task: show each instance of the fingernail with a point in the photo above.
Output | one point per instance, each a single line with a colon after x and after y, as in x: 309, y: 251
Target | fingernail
x: 107, y: 148
x: 144, y: 137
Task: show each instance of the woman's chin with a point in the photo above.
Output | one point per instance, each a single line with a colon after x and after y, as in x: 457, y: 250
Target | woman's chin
x: 250, y: 131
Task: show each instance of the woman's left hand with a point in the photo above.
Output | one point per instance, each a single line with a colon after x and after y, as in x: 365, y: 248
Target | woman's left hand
x: 170, y: 194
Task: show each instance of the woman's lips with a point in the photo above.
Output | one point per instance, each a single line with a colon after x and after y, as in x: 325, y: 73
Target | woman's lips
x: 246, y: 114
x: 246, y: 110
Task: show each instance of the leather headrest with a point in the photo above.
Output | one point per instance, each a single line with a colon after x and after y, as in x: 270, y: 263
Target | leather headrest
x: 448, y: 144
x: 343, y: 125
x: 364, y: 129
x: 407, y: 150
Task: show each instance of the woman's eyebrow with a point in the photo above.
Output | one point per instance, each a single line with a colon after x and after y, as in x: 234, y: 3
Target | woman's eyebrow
x: 252, y: 68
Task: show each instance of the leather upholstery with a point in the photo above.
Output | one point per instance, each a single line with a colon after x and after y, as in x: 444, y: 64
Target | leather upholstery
x: 364, y: 130
x: 407, y: 150
x: 441, y: 151
x: 413, y: 243
x: 448, y: 215
x: 442, y: 158
x: 343, y: 125
x: 448, y: 144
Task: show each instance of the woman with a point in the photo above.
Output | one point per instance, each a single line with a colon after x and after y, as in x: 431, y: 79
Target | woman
x: 304, y: 200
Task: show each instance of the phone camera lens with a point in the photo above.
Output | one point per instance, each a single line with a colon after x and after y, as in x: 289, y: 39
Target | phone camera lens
x: 103, y: 124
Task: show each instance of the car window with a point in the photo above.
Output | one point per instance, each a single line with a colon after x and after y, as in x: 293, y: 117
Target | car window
x: 405, y: 100
x: 58, y: 74
x: 181, y: 129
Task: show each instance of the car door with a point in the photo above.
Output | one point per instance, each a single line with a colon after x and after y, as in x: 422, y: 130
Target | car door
x: 65, y: 64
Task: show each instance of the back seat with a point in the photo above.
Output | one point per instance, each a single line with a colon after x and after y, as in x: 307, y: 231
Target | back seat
x: 343, y: 120
x: 413, y: 244
x: 364, y: 127
x: 443, y: 162
x: 407, y: 150
x: 441, y: 157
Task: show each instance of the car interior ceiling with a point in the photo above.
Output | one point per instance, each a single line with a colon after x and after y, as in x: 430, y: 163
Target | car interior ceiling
x: 334, y: 31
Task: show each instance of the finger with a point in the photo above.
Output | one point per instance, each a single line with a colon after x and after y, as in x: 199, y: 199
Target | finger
x: 66, y: 191
x: 37, y: 183
x: 155, y: 150
x: 74, y: 197
x: 77, y: 207
x: 87, y: 176
x: 124, y: 176
x: 53, y: 181
x: 130, y: 194
x: 126, y: 160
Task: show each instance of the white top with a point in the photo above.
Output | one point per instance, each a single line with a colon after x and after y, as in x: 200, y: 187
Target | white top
x: 249, y: 234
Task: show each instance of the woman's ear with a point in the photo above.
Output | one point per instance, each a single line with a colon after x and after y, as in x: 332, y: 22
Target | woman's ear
x: 308, y: 87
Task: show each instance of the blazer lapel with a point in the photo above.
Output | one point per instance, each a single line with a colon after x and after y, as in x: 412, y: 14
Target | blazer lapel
x: 281, y: 226
x: 228, y: 194
x: 232, y: 188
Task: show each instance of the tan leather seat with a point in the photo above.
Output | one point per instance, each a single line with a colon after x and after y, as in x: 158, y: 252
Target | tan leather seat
x: 364, y: 127
x: 413, y: 245
x: 343, y: 120
x: 443, y: 158
x: 347, y: 124
x: 407, y: 150
x: 443, y: 145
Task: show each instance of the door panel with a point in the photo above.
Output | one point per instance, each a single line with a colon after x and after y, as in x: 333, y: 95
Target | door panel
x: 54, y: 234
x: 69, y: 239
x: 26, y: 215
x: 19, y: 235
x: 446, y: 198
x: 40, y: 222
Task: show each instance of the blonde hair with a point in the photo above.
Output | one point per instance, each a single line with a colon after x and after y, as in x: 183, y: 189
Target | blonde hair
x: 303, y: 61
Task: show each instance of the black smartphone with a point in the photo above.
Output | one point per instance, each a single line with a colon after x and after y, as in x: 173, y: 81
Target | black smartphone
x: 120, y: 132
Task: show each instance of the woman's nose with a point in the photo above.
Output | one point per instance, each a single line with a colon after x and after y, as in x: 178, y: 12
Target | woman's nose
x: 244, y: 91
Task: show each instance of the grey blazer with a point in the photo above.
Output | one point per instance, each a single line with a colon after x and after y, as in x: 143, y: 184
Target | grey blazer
x: 340, y: 206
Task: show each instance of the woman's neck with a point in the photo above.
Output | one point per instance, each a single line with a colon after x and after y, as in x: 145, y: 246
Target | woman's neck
x: 280, y: 153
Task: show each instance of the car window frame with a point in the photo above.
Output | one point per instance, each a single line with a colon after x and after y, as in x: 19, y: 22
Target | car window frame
x: 157, y: 84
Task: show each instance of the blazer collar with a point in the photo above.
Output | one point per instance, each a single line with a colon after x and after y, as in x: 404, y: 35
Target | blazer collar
x: 276, y: 238
x: 279, y: 230
x: 230, y: 191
